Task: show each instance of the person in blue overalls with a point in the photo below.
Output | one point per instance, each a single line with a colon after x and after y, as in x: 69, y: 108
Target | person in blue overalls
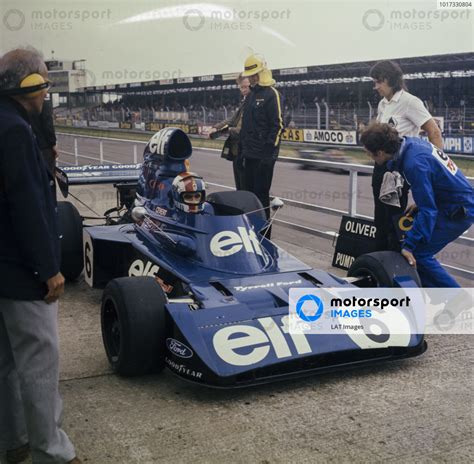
x: 444, y: 197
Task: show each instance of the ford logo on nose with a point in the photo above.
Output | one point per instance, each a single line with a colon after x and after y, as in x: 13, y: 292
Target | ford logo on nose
x: 178, y: 348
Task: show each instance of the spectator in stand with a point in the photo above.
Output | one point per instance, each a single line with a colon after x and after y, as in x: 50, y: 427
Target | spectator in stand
x: 233, y: 125
x: 408, y: 115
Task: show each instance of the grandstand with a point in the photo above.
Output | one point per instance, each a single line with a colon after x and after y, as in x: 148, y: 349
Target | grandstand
x: 337, y: 97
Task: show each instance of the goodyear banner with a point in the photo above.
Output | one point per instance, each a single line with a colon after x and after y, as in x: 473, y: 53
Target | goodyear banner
x: 336, y: 137
x: 293, y: 135
x: 125, y: 125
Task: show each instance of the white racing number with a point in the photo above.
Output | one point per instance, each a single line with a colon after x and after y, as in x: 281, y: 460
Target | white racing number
x: 445, y: 160
x: 88, y: 258
x: 378, y: 334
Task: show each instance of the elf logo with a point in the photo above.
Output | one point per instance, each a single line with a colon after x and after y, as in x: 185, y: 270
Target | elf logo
x: 227, y: 242
x: 139, y: 268
x: 244, y: 345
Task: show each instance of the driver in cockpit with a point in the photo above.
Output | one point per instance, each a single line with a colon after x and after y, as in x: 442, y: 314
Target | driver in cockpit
x: 189, y: 193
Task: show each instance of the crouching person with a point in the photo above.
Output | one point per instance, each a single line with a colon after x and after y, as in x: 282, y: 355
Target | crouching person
x: 443, y: 196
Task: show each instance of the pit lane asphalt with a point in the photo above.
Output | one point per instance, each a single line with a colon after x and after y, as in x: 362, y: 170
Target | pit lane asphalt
x: 315, y: 187
x: 416, y: 410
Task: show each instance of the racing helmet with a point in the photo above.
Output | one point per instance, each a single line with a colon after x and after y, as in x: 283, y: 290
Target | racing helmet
x: 253, y: 65
x: 168, y: 144
x: 189, y: 192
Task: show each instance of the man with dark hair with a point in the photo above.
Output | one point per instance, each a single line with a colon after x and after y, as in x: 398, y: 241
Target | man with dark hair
x: 408, y: 115
x: 444, y: 197
x: 232, y: 126
x: 31, y: 281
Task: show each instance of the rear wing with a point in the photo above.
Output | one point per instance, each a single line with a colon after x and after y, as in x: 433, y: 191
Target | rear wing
x: 102, y: 173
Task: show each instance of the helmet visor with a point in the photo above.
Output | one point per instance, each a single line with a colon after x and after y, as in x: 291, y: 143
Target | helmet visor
x: 192, y: 198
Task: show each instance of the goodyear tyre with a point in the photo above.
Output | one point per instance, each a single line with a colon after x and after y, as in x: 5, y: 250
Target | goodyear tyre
x: 382, y: 267
x: 133, y: 325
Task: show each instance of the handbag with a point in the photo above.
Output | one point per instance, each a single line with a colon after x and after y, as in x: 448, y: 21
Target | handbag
x: 226, y: 150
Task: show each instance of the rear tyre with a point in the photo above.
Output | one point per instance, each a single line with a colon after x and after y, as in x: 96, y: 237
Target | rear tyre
x: 70, y: 230
x: 133, y: 325
x: 383, y: 267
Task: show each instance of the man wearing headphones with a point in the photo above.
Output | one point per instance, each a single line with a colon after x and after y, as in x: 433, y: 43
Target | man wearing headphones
x: 260, y: 135
x: 30, y: 280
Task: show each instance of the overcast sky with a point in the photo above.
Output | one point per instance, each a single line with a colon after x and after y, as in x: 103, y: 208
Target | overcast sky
x: 125, y: 41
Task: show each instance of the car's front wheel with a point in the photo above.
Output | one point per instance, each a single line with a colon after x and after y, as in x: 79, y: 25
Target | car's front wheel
x: 381, y: 268
x: 133, y: 325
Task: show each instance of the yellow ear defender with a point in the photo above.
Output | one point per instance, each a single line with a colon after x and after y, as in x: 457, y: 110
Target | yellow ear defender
x: 30, y: 86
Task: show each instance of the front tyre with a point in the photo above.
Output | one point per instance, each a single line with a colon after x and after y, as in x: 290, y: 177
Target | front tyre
x: 383, y: 267
x: 133, y: 325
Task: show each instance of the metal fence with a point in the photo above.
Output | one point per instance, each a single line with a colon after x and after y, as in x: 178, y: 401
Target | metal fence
x: 76, y: 156
x: 456, y: 120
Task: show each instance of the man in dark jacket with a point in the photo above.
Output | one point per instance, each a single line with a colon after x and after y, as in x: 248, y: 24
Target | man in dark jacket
x: 232, y: 126
x: 30, y: 280
x: 43, y: 127
x: 260, y: 135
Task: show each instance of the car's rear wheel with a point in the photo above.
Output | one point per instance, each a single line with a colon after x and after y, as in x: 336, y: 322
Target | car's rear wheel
x: 70, y: 230
x: 381, y: 268
x: 133, y: 323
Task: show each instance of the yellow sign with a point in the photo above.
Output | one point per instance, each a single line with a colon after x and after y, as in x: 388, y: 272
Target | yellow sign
x: 183, y: 127
x: 154, y: 126
x: 293, y: 135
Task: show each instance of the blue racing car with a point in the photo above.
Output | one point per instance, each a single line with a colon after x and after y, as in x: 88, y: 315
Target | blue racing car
x: 191, y: 283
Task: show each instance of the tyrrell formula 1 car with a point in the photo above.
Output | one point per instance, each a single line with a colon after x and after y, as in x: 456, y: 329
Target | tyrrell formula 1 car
x: 192, y: 283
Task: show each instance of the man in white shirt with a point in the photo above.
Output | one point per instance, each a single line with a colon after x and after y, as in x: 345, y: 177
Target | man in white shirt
x: 408, y: 115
